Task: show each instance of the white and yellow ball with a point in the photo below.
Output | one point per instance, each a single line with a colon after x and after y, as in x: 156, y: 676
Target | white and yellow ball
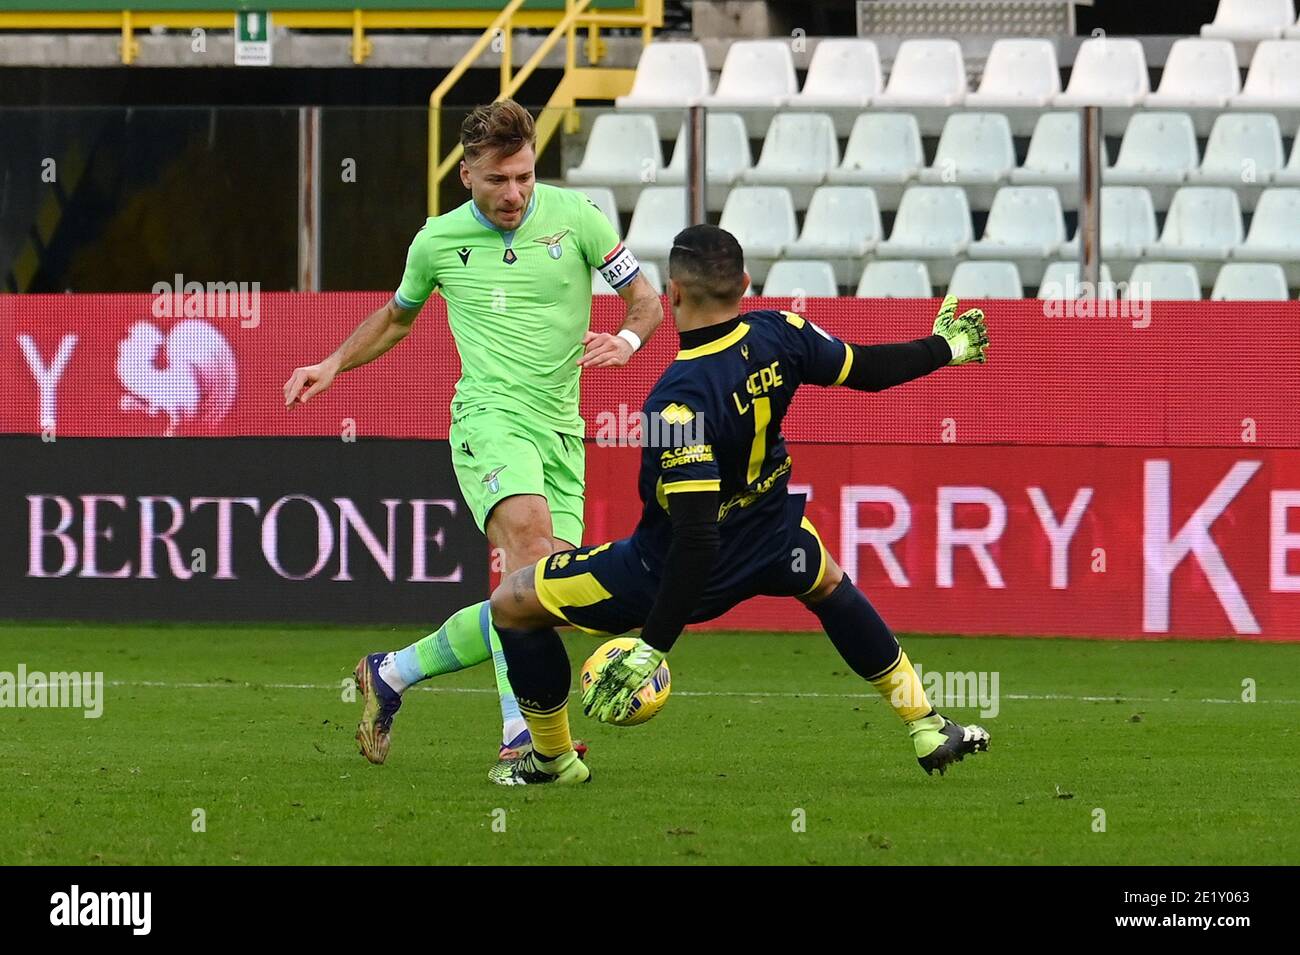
x: 652, y: 696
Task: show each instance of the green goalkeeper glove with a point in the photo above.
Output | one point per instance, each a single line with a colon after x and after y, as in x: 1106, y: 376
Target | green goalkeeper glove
x: 610, y: 697
x: 967, y: 338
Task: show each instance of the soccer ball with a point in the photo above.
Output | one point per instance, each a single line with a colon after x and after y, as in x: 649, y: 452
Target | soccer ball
x: 652, y: 696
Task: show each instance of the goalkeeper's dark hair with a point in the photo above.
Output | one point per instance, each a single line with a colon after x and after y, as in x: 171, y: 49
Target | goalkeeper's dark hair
x: 502, y: 128
x: 709, y: 264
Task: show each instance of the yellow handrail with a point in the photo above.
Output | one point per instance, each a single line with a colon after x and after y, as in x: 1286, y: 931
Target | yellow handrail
x: 575, y: 13
x: 435, y: 98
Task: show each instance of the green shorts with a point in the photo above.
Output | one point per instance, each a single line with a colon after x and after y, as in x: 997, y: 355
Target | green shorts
x: 498, y: 454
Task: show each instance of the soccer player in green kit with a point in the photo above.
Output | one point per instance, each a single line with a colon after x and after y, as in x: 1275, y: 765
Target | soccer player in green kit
x: 514, y: 266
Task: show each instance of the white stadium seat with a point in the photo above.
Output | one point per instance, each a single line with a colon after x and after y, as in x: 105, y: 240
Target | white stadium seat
x: 1053, y: 157
x: 1018, y: 73
x: 843, y: 77
x: 659, y: 215
x: 1062, y: 280
x: 757, y: 77
x: 1244, y: 152
x: 669, y: 77
x: 798, y: 152
x: 842, y: 226
x: 986, y: 280
x: 1128, y: 228
x: 1158, y: 151
x: 1250, y: 282
x: 1292, y: 32
x: 925, y: 73
x: 1204, y: 224
x: 1164, y: 282
x: 802, y: 277
x: 1026, y: 226
x: 1250, y: 19
x: 622, y: 153
x: 727, y: 156
x: 1274, y: 78
x: 1197, y: 73
x: 1273, y: 235
x: 933, y: 224
x: 884, y: 152
x: 1290, y: 176
x: 762, y: 220
x: 895, y: 280
x: 975, y: 151
x: 604, y: 201
x: 1107, y: 72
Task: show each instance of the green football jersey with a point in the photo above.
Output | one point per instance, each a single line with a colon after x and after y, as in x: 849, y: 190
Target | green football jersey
x: 518, y: 302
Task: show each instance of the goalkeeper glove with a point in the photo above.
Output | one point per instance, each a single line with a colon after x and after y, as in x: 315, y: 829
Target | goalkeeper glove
x: 609, y: 699
x: 967, y: 338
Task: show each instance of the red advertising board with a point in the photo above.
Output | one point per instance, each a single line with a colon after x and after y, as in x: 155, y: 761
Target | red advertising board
x: 1133, y: 475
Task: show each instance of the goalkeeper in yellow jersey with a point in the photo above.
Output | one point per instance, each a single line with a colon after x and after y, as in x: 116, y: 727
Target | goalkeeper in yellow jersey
x: 718, y: 523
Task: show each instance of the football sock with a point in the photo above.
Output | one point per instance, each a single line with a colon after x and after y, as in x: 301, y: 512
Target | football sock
x: 871, y: 650
x: 539, y: 672
x: 465, y: 640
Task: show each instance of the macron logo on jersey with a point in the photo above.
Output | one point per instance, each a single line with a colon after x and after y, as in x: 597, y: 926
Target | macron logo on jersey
x: 619, y: 267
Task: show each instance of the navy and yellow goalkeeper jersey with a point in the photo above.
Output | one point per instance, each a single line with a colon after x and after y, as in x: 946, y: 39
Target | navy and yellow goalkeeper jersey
x: 713, y: 422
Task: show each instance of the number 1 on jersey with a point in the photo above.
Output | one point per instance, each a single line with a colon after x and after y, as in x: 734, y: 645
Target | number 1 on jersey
x: 758, y: 450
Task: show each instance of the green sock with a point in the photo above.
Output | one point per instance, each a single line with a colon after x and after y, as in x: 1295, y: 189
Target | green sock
x: 455, y: 645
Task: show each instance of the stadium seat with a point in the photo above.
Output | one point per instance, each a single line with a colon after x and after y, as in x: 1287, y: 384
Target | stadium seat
x: 976, y: 152
x: 843, y: 77
x: 1158, y: 151
x: 669, y: 77
x: 1107, y: 72
x: 842, y: 226
x: 604, y: 200
x: 1290, y: 176
x: 762, y: 220
x: 1128, y: 228
x: 1164, y: 282
x: 1292, y: 32
x: 884, y: 152
x: 1018, y: 73
x: 1197, y: 73
x: 622, y: 153
x: 1274, y: 236
x: 1274, y: 78
x: 1250, y: 19
x: 1053, y: 157
x: 925, y: 73
x: 895, y: 280
x: 651, y: 272
x: 1203, y: 225
x: 798, y: 152
x: 1250, y: 282
x: 659, y: 215
x: 1244, y: 152
x: 1026, y: 226
x: 986, y: 280
x: 727, y: 155
x: 757, y: 77
x: 933, y: 224
x: 801, y: 277
x: 1061, y: 281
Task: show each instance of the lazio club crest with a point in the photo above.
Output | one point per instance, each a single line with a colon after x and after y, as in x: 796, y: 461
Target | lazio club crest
x: 552, y: 243
x: 490, y: 479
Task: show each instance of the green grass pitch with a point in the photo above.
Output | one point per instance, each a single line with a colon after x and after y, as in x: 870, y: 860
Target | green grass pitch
x: 250, y: 726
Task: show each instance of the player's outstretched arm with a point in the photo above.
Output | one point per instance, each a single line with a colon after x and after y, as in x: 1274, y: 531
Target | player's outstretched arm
x: 687, y: 569
x: 380, y: 331
x: 645, y: 312
x: 957, y: 340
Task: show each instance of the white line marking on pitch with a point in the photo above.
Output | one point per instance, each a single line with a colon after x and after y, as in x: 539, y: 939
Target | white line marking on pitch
x: 1029, y: 697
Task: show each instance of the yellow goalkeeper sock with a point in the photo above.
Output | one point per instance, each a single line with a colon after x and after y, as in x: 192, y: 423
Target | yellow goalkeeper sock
x: 902, y: 689
x: 550, y: 730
